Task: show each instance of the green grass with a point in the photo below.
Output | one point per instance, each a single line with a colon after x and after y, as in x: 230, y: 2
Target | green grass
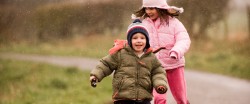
x: 220, y: 63
x: 95, y: 46
x: 229, y: 58
x: 36, y: 83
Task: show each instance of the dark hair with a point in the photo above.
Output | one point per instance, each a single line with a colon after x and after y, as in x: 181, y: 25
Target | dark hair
x: 163, y: 14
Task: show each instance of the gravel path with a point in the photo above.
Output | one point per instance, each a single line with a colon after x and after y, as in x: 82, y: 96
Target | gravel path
x: 203, y: 88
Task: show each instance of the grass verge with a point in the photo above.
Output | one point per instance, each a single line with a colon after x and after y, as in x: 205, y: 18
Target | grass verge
x: 230, y: 59
x: 36, y: 83
x: 95, y: 46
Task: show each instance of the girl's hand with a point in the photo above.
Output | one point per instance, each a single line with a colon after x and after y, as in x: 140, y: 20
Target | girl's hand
x: 93, y: 81
x: 173, y: 55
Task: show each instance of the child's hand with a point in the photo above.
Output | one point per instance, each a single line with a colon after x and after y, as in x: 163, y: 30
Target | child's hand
x: 173, y: 55
x: 161, y: 89
x: 93, y: 81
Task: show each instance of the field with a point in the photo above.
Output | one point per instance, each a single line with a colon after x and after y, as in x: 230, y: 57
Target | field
x: 89, y: 30
x: 230, y: 58
x: 36, y: 83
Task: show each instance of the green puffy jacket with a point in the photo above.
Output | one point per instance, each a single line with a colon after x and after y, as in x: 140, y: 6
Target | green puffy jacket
x: 134, y: 78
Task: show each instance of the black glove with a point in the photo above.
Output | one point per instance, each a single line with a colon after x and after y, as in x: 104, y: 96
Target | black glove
x: 93, y: 81
x: 161, y: 89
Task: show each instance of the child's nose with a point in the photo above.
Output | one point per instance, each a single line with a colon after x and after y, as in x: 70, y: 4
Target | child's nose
x: 140, y: 40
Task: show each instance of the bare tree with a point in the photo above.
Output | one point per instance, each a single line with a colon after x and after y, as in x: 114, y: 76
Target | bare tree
x: 200, y: 15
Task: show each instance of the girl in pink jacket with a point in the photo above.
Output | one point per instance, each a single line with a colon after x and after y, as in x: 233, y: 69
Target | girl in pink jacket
x: 168, y: 32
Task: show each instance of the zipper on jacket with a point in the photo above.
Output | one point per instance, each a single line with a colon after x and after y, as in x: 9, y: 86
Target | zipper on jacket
x: 155, y: 32
x: 137, y: 77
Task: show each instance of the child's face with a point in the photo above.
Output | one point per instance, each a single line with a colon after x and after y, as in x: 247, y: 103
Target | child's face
x: 138, y: 42
x: 152, y: 13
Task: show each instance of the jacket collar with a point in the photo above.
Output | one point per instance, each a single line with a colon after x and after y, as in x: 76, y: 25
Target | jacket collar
x: 131, y: 51
x: 156, y: 23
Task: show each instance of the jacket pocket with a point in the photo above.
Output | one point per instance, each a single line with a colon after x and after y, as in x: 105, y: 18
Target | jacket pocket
x: 117, y: 81
x: 146, y: 84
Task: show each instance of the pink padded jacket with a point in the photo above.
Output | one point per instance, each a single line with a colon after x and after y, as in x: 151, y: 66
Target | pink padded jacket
x: 173, y: 37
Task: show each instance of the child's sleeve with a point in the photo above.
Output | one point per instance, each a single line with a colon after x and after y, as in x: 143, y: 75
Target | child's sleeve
x: 182, y: 41
x: 158, y: 75
x: 105, y: 67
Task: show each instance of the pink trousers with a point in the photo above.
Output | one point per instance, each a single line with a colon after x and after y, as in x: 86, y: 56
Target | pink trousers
x: 177, y: 85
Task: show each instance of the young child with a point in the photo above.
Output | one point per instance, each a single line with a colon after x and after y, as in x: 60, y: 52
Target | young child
x: 137, y: 71
x: 168, y: 32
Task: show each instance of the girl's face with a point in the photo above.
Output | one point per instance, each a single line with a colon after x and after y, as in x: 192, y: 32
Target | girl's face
x: 152, y: 13
x: 138, y: 42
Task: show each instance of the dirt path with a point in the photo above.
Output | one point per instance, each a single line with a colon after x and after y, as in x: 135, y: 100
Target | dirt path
x: 203, y: 88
